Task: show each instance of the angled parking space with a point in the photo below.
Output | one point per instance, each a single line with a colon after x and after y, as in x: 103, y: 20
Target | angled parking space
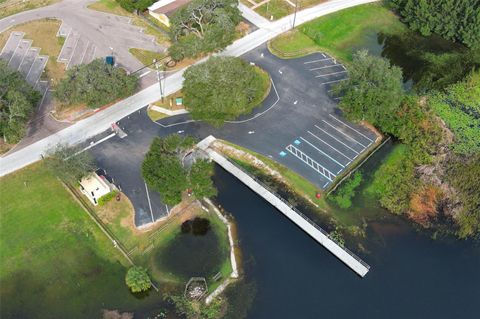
x: 12, y: 43
x: 27, y: 62
x: 19, y: 54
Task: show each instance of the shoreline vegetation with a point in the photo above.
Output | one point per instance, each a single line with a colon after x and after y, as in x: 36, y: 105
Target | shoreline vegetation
x: 435, y: 127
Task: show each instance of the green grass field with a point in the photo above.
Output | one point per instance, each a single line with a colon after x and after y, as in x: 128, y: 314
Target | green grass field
x: 55, y: 262
x: 340, y: 33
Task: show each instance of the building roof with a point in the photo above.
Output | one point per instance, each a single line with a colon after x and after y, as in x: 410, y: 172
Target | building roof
x: 167, y: 7
x: 93, y: 183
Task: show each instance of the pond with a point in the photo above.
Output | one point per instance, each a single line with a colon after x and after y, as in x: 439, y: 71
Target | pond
x: 416, y: 55
x: 412, y: 276
x: 195, y: 252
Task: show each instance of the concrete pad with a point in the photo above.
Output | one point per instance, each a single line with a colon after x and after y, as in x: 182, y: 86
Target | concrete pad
x: 27, y: 62
x: 79, y: 52
x: 36, y: 70
x: 19, y: 54
x: 64, y: 30
x: 11, y: 45
x: 68, y: 48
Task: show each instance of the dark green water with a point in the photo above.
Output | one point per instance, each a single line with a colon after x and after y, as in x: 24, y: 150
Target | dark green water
x: 412, y: 276
x: 193, y: 253
x: 426, y: 62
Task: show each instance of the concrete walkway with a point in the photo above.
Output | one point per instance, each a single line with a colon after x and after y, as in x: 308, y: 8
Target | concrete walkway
x: 321, y: 236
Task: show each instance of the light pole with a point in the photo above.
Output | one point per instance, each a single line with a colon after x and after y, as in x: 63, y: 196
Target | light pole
x: 161, y: 78
x: 295, y: 14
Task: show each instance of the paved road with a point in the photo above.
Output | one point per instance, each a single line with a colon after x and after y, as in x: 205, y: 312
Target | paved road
x: 297, y: 113
x: 101, y: 121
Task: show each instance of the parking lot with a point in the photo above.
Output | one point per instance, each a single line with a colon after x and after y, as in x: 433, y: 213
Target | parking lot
x: 298, y: 125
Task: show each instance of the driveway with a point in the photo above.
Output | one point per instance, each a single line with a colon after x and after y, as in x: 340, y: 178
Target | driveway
x: 298, y: 125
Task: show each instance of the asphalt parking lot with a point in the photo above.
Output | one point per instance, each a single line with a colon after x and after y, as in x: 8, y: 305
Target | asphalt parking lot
x: 298, y: 125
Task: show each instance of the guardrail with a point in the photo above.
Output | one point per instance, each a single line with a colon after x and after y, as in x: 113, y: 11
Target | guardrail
x: 301, y: 214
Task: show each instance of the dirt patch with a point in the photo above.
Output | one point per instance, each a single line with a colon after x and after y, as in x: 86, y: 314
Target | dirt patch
x: 249, y: 158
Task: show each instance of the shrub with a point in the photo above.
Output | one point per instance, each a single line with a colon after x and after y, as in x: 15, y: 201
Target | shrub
x: 107, y: 197
x: 137, y: 279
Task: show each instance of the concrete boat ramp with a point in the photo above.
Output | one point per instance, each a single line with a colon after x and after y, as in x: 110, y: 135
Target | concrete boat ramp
x: 312, y: 229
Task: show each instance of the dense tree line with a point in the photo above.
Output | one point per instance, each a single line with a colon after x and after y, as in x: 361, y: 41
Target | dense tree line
x: 165, y: 172
x: 423, y: 124
x: 95, y: 84
x: 203, y: 26
x: 223, y: 88
x: 17, y: 103
x: 457, y: 20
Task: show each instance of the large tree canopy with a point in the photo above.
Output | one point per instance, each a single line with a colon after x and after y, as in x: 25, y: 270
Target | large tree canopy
x: 223, y: 88
x: 17, y: 102
x: 162, y: 169
x: 452, y: 19
x: 95, y: 84
x: 203, y: 26
x: 373, y: 90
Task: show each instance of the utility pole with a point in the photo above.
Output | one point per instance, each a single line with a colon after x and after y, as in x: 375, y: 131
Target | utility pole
x: 161, y: 78
x: 295, y: 14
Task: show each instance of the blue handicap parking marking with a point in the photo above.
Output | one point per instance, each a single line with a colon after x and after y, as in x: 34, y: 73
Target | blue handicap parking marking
x: 282, y: 154
x: 297, y: 142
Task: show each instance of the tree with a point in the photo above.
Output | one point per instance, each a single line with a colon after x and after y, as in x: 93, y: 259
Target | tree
x: 137, y: 279
x: 373, y: 90
x: 95, y: 84
x: 200, y: 178
x: 69, y: 163
x: 163, y: 170
x: 132, y: 5
x: 17, y: 102
x: 223, y: 88
x: 457, y: 20
x: 203, y: 26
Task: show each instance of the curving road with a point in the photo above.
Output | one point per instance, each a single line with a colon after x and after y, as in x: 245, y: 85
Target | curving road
x: 101, y: 121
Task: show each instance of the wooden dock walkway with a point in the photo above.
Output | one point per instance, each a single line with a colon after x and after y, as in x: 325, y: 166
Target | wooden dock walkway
x: 312, y: 229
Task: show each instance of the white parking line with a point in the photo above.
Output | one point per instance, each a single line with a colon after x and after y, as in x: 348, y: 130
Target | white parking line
x: 322, y: 75
x: 318, y: 138
x: 325, y: 67
x: 144, y: 73
x: 319, y: 60
x: 149, y: 203
x: 333, y: 81
x: 322, y: 151
x: 336, y: 139
x: 351, y: 128
x: 346, y: 135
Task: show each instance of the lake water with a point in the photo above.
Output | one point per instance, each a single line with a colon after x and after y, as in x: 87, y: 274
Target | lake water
x: 411, y: 276
x: 412, y: 53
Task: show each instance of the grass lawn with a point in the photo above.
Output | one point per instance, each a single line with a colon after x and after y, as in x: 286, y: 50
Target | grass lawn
x: 9, y: 7
x: 145, y: 56
x: 340, y: 33
x: 155, y: 116
x: 43, y: 34
x: 301, y: 185
x: 55, y: 262
x: 281, y: 8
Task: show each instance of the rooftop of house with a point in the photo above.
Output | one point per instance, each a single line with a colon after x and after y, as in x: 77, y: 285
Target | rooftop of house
x: 167, y: 7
